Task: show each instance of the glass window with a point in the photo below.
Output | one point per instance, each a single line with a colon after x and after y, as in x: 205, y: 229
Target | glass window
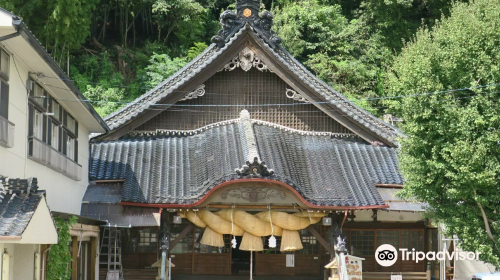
x: 71, y: 124
x: 4, y: 64
x: 412, y: 239
x: 148, y: 240
x: 38, y: 125
x: 309, y: 242
x: 185, y: 245
x: 56, y: 109
x: 70, y: 147
x: 38, y: 94
x: 388, y: 237
x: 362, y: 242
x: 54, y: 141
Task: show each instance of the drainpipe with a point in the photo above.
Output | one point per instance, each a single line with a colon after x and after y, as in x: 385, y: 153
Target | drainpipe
x: 44, y: 257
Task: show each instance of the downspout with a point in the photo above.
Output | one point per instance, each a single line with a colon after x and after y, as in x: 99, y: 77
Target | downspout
x: 44, y: 254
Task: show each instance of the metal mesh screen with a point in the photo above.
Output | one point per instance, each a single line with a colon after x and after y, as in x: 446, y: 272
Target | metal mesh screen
x: 256, y: 91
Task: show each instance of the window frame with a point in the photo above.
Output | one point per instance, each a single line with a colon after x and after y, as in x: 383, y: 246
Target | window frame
x: 67, y: 135
x: 3, y: 53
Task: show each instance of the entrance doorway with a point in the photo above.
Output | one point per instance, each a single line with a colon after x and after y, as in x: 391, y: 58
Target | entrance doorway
x: 240, y: 260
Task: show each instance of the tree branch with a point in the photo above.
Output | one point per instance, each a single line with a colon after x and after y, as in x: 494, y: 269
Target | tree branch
x: 486, y: 223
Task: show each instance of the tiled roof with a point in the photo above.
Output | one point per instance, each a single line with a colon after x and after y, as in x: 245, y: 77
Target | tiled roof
x: 214, y: 51
x: 181, y: 167
x: 102, y: 202
x: 19, y: 199
x: 389, y: 195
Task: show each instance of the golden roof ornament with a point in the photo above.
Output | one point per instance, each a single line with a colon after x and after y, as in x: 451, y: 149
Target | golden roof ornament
x: 247, y: 12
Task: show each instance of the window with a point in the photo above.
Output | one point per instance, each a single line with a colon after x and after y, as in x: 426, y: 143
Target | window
x: 362, y: 242
x: 388, y: 237
x: 54, y: 135
x: 309, y: 242
x: 412, y: 239
x: 4, y: 100
x: 147, y: 240
x: 55, y: 109
x: 4, y: 64
x: 37, y: 93
x: 185, y: 245
x: 38, y: 124
x: 71, y: 123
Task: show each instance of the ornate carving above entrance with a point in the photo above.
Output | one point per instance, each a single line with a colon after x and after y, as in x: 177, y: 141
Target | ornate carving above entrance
x: 253, y: 194
x: 256, y: 168
x: 292, y: 94
x: 246, y: 60
x: 198, y: 92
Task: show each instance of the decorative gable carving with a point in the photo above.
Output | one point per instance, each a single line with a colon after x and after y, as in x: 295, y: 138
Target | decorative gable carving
x: 198, y: 92
x: 253, y: 194
x: 246, y: 60
x: 292, y: 94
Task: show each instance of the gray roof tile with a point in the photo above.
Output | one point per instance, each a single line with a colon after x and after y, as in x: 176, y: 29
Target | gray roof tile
x: 19, y: 199
x: 181, y: 167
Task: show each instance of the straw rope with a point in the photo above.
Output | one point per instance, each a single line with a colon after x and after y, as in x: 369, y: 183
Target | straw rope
x: 252, y: 227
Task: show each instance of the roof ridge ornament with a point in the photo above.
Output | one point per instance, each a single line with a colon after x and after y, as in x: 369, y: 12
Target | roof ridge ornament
x: 247, y: 12
x: 254, y: 169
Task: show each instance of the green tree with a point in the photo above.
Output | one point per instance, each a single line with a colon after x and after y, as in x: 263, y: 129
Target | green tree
x: 171, y: 14
x: 346, y: 54
x: 96, y: 77
x: 451, y: 157
x: 59, y: 261
x: 61, y: 25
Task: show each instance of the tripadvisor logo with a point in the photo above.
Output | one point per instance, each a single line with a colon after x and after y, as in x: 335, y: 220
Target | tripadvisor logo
x: 386, y: 255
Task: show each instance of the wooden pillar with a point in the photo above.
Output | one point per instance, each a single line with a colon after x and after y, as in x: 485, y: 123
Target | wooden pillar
x: 93, y: 258
x: 74, y: 259
x: 165, y: 231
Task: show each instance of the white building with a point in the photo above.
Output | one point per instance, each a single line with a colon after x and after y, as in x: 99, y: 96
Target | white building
x: 44, y: 134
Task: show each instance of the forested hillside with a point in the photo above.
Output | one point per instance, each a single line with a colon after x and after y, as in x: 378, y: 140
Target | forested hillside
x: 118, y: 49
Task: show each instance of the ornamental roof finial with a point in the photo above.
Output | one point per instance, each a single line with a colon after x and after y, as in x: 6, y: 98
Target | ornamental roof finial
x: 247, y: 8
x: 247, y: 12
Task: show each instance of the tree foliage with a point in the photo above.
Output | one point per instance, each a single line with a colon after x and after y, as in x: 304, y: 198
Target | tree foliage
x: 346, y: 54
x: 59, y: 261
x: 451, y: 157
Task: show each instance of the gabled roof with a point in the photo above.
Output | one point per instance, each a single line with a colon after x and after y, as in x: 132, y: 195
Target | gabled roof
x: 240, y: 31
x: 181, y: 167
x: 20, y: 200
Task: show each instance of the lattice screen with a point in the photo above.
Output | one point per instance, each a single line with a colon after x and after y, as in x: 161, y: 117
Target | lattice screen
x: 245, y: 89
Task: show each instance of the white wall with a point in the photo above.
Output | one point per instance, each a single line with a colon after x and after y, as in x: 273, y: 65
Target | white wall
x: 388, y: 216
x: 22, y: 260
x: 63, y: 194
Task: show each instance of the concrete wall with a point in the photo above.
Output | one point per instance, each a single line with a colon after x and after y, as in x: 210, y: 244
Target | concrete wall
x: 63, y: 194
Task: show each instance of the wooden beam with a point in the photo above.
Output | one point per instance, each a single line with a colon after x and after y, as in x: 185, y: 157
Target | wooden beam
x: 321, y: 240
x: 93, y: 257
x: 74, y: 259
x: 183, y: 233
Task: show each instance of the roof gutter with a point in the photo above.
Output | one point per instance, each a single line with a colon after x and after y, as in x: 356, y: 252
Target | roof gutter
x: 28, y: 36
x: 10, y: 238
